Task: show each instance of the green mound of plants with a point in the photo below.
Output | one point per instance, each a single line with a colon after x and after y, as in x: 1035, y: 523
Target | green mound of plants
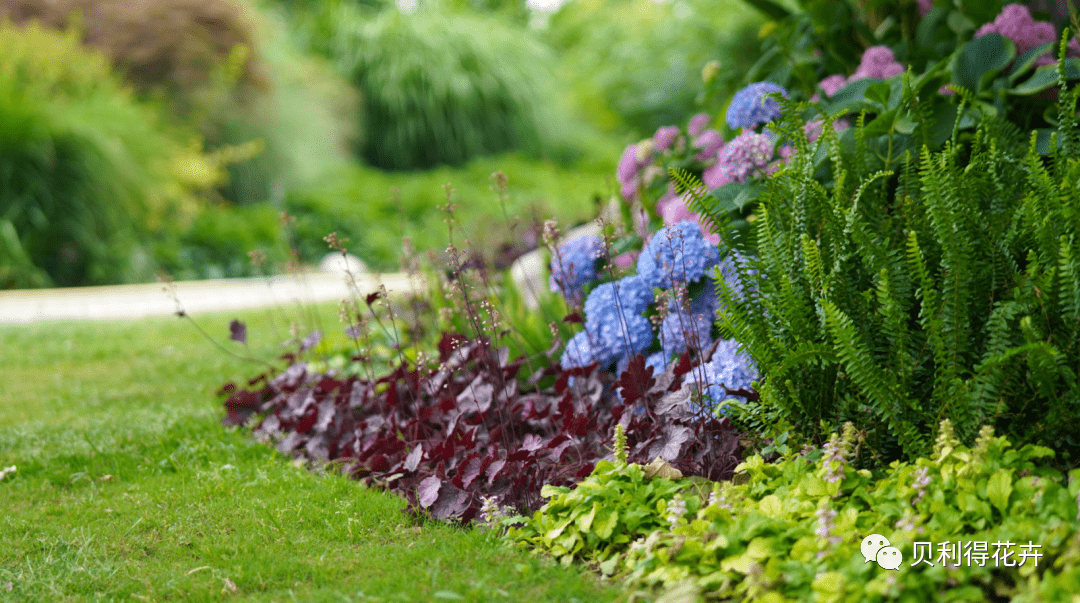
x: 987, y: 522
x: 442, y: 88
x: 946, y: 289
x: 89, y: 175
x: 228, y: 69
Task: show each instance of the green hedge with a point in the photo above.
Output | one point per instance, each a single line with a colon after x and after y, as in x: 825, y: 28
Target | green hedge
x: 88, y: 174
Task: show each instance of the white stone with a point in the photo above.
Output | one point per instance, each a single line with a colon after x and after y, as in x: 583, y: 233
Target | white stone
x: 530, y: 271
x: 334, y: 263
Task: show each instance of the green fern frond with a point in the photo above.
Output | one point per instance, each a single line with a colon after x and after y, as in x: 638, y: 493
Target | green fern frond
x: 873, y: 383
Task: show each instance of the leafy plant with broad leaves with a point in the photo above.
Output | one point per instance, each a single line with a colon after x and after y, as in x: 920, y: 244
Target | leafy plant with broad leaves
x: 449, y: 434
x: 794, y: 530
x: 599, y: 517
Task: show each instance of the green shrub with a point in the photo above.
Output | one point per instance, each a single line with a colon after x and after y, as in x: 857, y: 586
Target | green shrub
x: 228, y: 69
x: 638, y: 64
x: 793, y: 530
x: 217, y: 243
x: 948, y: 290
x: 88, y: 175
x: 172, y: 46
x: 442, y: 88
x: 304, y: 120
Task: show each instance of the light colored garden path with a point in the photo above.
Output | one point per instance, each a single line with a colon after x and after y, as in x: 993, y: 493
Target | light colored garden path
x: 128, y: 302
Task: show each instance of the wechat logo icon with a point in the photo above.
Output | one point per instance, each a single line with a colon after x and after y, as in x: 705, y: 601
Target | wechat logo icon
x: 876, y: 547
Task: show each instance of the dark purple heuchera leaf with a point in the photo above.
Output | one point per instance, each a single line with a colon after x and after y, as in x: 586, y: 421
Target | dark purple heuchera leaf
x: 238, y: 331
x: 636, y: 380
x: 471, y: 429
x: 428, y: 491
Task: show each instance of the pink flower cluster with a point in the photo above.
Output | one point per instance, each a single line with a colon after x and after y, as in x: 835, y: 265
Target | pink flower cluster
x: 747, y: 154
x: 673, y: 209
x: 877, y: 62
x: 634, y: 159
x: 1016, y: 23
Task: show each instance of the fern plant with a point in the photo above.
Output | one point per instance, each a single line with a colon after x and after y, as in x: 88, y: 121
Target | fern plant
x: 945, y: 286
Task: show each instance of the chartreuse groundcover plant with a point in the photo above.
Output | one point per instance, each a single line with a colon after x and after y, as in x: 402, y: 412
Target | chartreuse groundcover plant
x: 987, y: 522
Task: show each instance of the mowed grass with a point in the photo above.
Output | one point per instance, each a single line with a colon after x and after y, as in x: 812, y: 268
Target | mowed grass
x: 128, y: 487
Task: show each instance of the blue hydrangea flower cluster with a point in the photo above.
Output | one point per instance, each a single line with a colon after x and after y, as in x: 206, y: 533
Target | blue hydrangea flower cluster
x: 751, y: 106
x: 728, y: 367
x: 574, y: 265
x: 631, y: 294
x: 686, y: 329
x: 614, y: 326
x: 578, y: 352
x: 676, y: 254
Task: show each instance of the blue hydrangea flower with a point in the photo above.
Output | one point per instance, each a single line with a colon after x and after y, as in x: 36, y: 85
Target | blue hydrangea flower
x: 574, y: 265
x: 629, y: 293
x: 708, y: 301
x: 578, y: 352
x: 614, y: 322
x: 686, y: 329
x: 676, y: 254
x: 728, y: 367
x: 615, y: 337
x: 751, y: 106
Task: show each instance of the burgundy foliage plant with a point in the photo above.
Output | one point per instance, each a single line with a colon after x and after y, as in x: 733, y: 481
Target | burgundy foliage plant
x: 472, y: 428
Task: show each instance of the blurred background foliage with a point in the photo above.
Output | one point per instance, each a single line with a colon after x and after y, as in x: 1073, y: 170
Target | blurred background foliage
x: 89, y: 175
x: 208, y: 118
x: 635, y: 65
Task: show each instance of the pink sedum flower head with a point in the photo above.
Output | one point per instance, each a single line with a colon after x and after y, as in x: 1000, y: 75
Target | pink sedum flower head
x: 878, y: 62
x: 925, y: 6
x: 698, y: 123
x: 748, y: 154
x: 1015, y: 22
x: 665, y: 138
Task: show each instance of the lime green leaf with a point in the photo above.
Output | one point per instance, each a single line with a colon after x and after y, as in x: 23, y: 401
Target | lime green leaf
x: 606, y: 519
x: 738, y: 563
x: 585, y: 521
x: 607, y: 567
x: 999, y: 488
x: 772, y: 506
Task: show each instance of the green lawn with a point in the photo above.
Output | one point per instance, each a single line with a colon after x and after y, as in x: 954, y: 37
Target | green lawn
x: 128, y: 488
